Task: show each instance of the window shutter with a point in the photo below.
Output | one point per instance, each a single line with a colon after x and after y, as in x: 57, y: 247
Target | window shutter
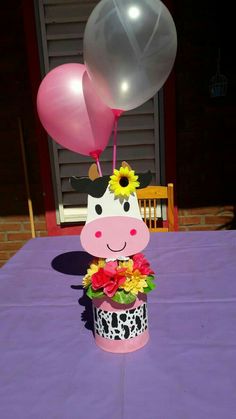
x: 61, y: 27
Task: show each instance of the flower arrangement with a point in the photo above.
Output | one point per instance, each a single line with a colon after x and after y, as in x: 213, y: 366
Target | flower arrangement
x: 121, y: 280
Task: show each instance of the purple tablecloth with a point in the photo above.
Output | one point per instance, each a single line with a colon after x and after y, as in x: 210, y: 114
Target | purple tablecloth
x: 50, y: 367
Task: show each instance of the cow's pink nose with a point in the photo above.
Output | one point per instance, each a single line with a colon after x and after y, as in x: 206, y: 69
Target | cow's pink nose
x: 98, y: 234
x: 114, y: 236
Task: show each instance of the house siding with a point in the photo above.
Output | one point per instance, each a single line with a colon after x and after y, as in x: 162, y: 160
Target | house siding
x: 206, y: 155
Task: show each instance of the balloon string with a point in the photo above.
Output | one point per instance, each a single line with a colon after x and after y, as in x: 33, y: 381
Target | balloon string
x: 98, y: 166
x: 115, y: 143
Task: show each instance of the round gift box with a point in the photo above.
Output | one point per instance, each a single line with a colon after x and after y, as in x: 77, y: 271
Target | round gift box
x: 118, y: 327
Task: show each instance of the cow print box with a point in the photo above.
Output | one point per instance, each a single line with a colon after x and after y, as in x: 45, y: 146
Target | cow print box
x: 120, y: 329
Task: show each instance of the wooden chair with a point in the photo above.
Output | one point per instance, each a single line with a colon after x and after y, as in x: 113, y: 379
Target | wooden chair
x: 148, y: 199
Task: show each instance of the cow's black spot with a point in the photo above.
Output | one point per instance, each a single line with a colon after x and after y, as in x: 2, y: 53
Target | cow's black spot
x: 144, y: 311
x: 117, y: 337
x: 126, y: 335
x: 98, y: 209
x: 132, y: 328
x: 123, y: 317
x: 114, y: 321
x: 104, y: 323
x: 126, y: 206
x: 138, y: 322
x: 95, y: 315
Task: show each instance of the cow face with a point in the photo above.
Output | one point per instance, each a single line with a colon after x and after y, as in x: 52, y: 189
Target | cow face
x: 114, y: 227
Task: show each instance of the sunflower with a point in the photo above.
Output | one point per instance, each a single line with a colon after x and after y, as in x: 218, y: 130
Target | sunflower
x: 123, y: 182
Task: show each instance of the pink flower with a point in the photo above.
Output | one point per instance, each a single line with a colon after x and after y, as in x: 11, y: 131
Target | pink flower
x: 110, y: 268
x: 141, y: 264
x: 113, y: 285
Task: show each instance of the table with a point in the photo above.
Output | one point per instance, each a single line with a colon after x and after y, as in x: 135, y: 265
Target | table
x: 50, y: 367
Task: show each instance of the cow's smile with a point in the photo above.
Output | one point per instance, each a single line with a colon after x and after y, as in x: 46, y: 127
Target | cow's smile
x: 119, y: 250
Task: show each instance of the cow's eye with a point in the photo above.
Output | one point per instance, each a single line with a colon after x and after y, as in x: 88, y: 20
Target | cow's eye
x: 98, y: 209
x: 126, y: 206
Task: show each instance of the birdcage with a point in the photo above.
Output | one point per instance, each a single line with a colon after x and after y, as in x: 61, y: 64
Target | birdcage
x: 218, y: 83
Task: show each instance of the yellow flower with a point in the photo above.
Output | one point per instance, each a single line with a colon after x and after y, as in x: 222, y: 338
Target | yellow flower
x: 86, y: 281
x: 123, y: 182
x: 95, y: 266
x: 101, y: 263
x: 92, y: 269
x: 127, y: 264
x: 135, y: 282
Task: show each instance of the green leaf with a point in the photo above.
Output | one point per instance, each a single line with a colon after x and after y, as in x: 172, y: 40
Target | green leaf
x: 94, y: 294
x: 148, y: 289
x: 123, y: 297
x: 89, y: 292
x: 98, y: 294
x: 150, y: 282
x: 151, y: 286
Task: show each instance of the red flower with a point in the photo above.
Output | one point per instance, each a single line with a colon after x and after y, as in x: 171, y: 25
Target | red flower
x: 142, y: 264
x: 109, y: 280
x: 99, y: 279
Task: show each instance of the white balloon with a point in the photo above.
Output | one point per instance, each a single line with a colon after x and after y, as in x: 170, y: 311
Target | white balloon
x: 129, y: 50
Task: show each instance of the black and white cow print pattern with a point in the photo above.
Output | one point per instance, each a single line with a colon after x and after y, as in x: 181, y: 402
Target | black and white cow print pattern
x: 125, y: 324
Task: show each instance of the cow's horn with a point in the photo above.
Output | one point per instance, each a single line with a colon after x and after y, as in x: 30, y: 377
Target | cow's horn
x: 125, y: 164
x: 93, y: 172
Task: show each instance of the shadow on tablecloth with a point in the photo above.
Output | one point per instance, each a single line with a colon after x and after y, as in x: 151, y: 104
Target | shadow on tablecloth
x: 87, y: 315
x: 72, y: 263
x: 76, y: 263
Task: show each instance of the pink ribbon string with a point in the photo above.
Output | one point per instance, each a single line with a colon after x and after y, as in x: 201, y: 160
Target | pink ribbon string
x: 95, y: 155
x: 98, y: 166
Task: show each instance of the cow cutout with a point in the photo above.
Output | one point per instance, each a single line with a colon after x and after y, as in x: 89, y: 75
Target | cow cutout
x: 114, y: 227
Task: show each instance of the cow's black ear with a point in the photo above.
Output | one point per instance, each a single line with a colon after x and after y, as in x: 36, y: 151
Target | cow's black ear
x: 81, y: 184
x: 95, y: 188
x: 144, y: 179
x: 99, y: 186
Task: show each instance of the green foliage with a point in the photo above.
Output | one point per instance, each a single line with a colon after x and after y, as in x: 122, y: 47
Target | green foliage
x: 150, y: 283
x: 123, y: 297
x: 94, y: 294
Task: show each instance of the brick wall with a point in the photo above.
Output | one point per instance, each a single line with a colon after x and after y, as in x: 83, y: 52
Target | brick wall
x: 15, y: 231
x: 206, y: 146
x: 211, y: 218
x: 15, y: 101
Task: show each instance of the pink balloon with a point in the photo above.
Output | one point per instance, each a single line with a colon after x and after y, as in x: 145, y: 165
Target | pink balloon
x: 71, y: 111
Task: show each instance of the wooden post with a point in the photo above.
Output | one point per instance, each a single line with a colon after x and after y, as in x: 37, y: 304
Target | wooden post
x: 30, y: 207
